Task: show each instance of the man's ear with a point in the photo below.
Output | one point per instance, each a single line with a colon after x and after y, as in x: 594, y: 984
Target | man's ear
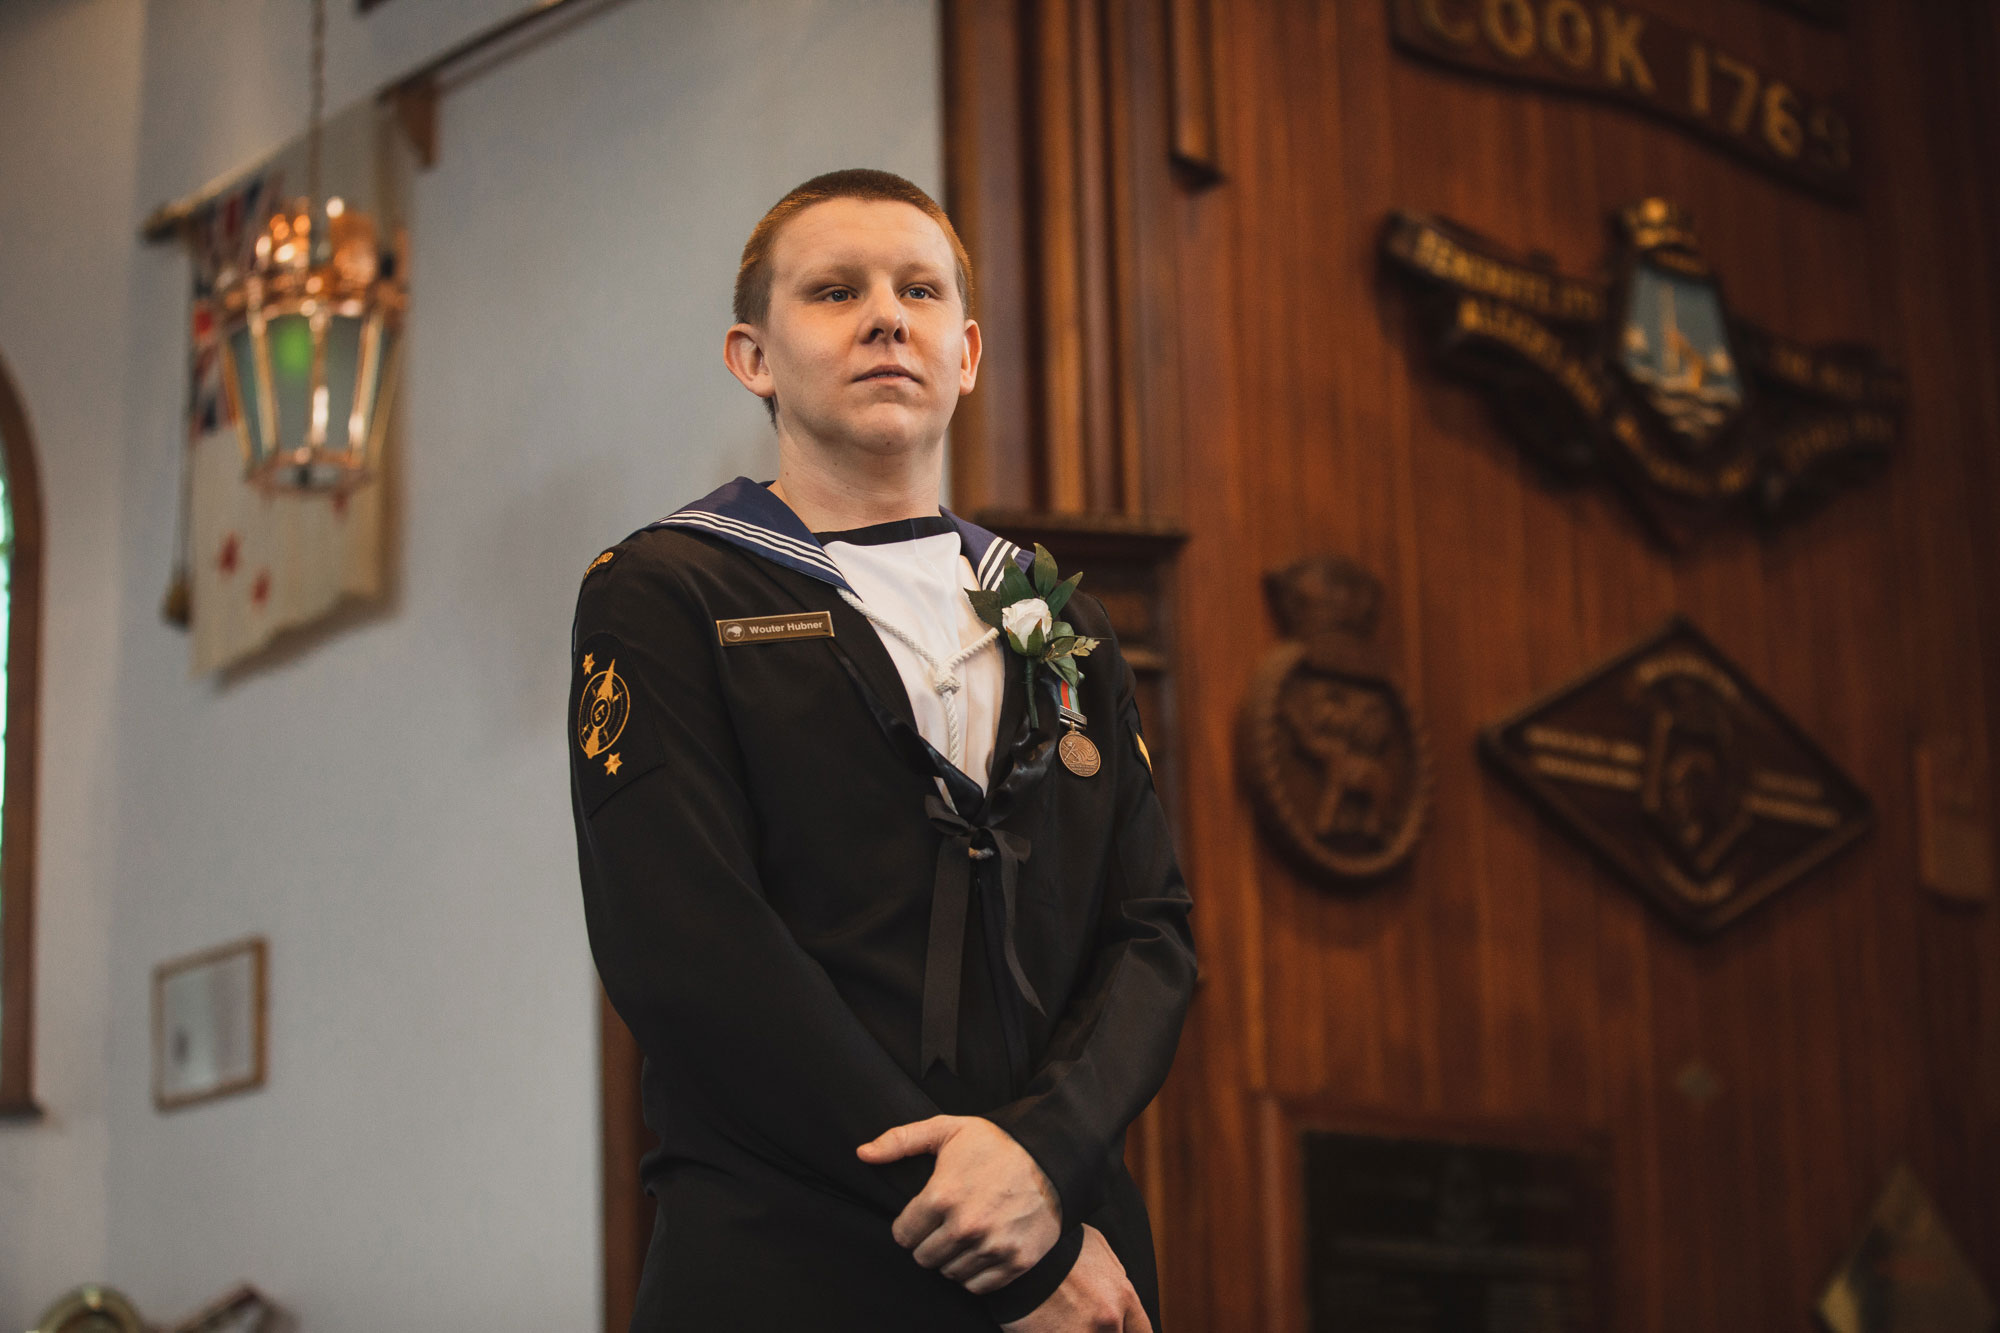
x: 743, y: 353
x: 968, y: 364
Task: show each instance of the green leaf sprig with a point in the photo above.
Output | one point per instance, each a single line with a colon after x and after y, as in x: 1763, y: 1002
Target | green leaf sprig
x: 1027, y: 610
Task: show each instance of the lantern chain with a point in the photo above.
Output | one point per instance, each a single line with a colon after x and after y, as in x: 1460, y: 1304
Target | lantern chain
x: 318, y: 110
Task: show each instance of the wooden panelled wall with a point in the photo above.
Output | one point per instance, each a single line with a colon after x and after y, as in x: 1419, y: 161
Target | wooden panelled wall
x: 1229, y: 357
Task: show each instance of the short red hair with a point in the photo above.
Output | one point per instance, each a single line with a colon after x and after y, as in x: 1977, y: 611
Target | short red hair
x: 753, y: 274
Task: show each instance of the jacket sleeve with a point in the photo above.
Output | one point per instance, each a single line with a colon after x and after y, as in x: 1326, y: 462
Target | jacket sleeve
x: 694, y: 959
x: 1115, y: 1041
x: 692, y: 956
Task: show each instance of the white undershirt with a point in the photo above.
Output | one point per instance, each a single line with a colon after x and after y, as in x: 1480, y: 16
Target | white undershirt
x: 919, y: 587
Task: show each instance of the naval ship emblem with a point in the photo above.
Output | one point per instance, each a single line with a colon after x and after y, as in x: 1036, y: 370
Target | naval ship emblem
x: 1676, y: 348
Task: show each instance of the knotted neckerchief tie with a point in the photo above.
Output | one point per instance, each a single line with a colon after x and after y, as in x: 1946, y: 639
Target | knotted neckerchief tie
x: 951, y: 897
x: 964, y: 843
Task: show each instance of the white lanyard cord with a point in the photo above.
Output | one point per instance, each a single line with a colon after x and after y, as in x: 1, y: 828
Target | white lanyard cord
x: 944, y: 676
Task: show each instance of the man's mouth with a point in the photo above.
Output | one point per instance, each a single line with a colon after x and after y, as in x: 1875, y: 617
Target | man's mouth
x: 889, y: 373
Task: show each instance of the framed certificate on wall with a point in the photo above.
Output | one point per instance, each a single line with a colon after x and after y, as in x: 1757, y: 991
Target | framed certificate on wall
x: 208, y: 1024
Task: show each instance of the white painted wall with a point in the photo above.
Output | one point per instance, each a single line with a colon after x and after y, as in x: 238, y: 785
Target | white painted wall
x: 67, y: 155
x: 390, y: 807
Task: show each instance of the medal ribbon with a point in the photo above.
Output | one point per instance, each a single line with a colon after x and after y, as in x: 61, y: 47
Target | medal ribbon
x: 1066, y: 696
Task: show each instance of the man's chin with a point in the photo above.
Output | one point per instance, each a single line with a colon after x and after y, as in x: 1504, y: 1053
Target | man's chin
x: 888, y: 430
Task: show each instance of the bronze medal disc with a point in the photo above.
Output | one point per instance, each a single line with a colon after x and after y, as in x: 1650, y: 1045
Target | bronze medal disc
x: 1079, y: 754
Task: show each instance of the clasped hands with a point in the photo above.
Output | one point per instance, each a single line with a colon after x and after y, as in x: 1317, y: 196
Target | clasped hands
x: 989, y: 1214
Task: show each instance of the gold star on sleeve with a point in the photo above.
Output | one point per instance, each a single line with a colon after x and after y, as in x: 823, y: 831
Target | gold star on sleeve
x: 612, y: 765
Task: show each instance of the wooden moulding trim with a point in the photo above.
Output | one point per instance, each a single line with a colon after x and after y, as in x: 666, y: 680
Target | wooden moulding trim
x: 1192, y: 61
x: 17, y: 815
x: 1056, y: 208
x: 1090, y: 72
x: 1122, y: 441
x: 993, y: 433
x: 628, y: 1223
x: 1127, y: 532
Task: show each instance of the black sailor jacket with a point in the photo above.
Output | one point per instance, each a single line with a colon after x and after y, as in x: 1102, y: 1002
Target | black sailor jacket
x: 812, y: 946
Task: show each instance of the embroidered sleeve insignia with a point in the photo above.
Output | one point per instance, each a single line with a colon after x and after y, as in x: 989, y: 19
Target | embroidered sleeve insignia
x: 602, y: 709
x: 613, y: 744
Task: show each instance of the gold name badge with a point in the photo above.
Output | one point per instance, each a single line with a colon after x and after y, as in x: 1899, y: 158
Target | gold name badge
x: 771, y: 629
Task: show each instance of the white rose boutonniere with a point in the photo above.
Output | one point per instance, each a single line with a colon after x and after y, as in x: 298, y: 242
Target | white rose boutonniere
x: 1024, y: 618
x: 1027, y: 610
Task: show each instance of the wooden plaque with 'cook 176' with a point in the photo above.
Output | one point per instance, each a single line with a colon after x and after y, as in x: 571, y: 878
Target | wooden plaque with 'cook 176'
x: 1623, y: 54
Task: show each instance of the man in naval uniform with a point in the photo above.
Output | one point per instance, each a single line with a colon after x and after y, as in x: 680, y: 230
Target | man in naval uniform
x: 905, y: 947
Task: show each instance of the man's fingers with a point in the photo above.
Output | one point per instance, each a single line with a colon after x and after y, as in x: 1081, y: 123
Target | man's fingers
x: 920, y: 1217
x: 907, y: 1140
x: 992, y: 1279
x: 1135, y: 1314
x: 974, y: 1262
x: 943, y: 1245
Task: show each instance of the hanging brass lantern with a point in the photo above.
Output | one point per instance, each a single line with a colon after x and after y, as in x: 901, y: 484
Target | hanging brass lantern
x: 310, y: 336
x: 310, y: 341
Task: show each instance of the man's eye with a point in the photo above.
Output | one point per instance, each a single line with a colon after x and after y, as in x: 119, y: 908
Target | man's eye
x: 924, y: 292
x: 836, y: 294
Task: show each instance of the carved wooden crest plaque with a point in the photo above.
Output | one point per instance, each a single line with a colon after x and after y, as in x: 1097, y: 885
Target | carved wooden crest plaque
x: 1332, y: 754
x: 1699, y: 415
x: 1683, y: 776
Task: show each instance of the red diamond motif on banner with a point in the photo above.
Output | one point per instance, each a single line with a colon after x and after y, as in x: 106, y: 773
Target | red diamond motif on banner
x: 226, y: 560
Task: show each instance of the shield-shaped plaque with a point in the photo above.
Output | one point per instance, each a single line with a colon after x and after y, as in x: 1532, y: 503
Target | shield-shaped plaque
x: 1677, y: 354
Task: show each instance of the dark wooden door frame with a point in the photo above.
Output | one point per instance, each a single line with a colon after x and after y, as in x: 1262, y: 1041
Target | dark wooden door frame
x: 17, y: 813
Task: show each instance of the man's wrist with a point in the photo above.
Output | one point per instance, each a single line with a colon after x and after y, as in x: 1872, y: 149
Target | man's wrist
x: 1026, y: 1293
x: 1075, y: 1176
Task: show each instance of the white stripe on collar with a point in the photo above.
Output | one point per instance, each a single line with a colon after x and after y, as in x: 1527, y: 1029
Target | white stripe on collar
x: 993, y: 565
x: 751, y: 532
x: 746, y: 514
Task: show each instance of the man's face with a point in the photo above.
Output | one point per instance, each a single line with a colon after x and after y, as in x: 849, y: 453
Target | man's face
x: 865, y: 342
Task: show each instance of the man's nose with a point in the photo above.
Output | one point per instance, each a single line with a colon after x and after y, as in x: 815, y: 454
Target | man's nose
x: 885, y: 315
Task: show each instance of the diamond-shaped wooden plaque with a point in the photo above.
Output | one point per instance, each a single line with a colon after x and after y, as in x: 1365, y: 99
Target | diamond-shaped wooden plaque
x: 1906, y: 1274
x: 1683, y: 776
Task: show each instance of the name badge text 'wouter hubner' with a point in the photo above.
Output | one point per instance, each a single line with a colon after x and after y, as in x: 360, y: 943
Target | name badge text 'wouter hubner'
x: 770, y: 629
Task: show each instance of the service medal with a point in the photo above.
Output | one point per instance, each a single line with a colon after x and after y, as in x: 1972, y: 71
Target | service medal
x: 1079, y: 754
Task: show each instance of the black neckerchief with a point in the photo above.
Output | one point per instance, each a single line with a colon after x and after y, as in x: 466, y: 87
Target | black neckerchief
x: 895, y: 530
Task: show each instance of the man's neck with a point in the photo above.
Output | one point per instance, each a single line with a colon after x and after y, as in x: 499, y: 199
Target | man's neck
x: 834, y: 495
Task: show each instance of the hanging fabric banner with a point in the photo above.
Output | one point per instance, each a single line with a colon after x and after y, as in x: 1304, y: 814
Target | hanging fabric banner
x: 259, y: 562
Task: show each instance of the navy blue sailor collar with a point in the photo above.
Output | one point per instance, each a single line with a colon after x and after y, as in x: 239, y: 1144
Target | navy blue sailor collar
x: 747, y: 515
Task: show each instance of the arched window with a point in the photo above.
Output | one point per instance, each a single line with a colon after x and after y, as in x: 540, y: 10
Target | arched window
x: 21, y: 621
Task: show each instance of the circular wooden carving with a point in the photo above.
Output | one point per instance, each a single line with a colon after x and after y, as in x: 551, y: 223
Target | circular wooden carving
x: 1335, y: 765
x: 1332, y: 754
